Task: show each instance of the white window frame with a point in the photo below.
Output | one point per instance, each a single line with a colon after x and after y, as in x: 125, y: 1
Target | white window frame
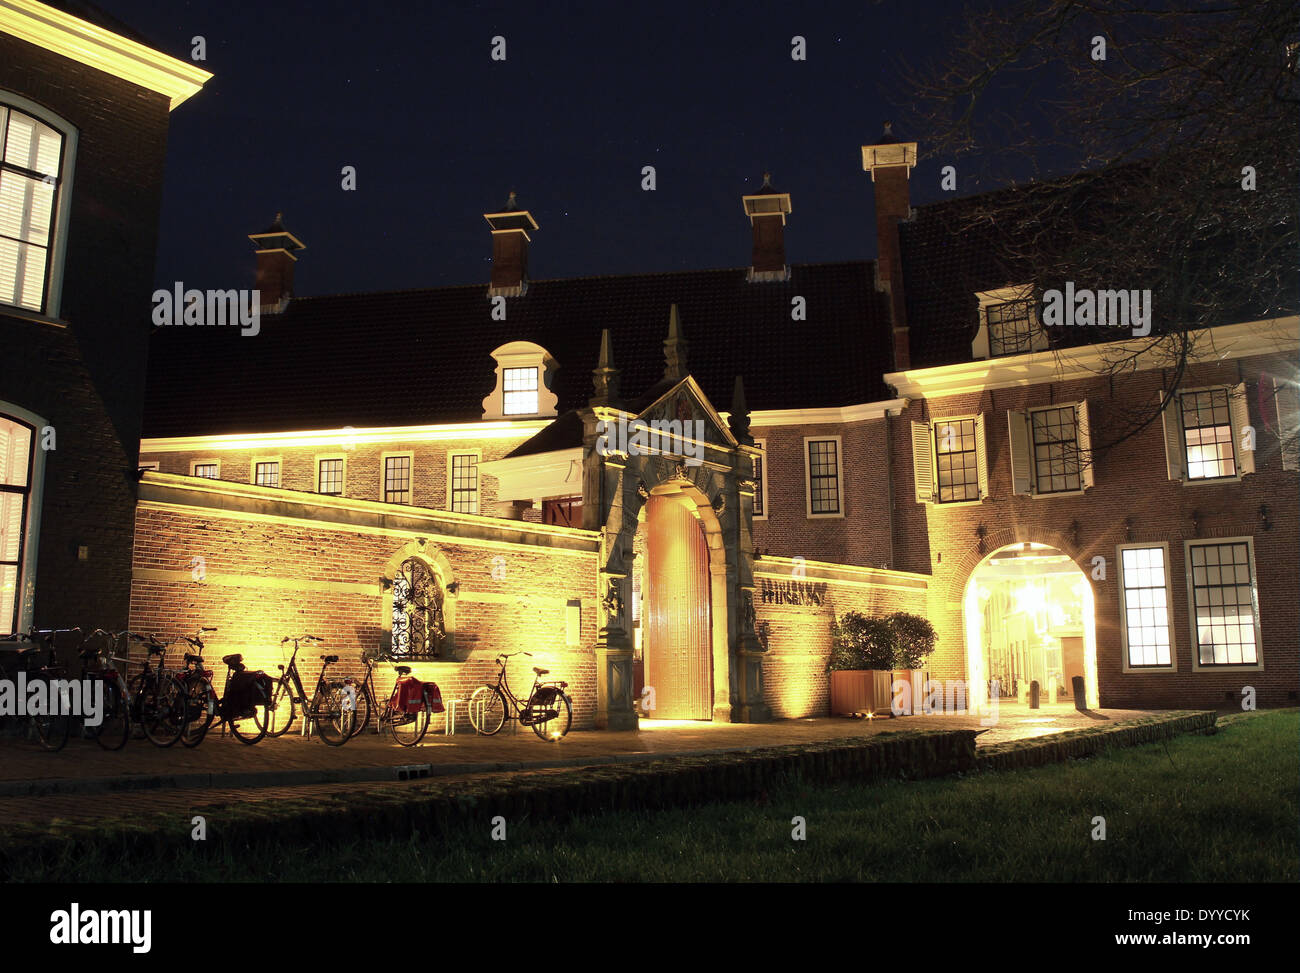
x: 383, y: 475
x: 807, y: 477
x: 25, y: 595
x: 478, y: 479
x: 1243, y: 461
x: 257, y: 461
x: 59, y: 218
x: 1169, y: 607
x: 315, y: 475
x: 522, y: 354
x: 1020, y: 435
x: 982, y: 345
x: 924, y: 437
x: 1197, y: 666
x: 195, y: 464
x: 762, y: 481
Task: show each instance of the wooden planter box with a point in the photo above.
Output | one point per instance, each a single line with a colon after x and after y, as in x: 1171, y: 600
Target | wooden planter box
x: 859, y: 691
x: 918, y: 679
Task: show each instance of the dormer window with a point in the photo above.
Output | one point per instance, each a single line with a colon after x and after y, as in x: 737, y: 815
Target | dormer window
x: 523, y: 387
x: 1009, y: 323
x: 520, y: 386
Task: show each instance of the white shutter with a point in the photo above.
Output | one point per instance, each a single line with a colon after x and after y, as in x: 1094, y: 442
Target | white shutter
x: 923, y: 462
x: 1022, y: 457
x: 1084, y: 433
x: 981, y: 456
x: 1239, y: 408
x: 1175, y: 451
x: 1286, y: 396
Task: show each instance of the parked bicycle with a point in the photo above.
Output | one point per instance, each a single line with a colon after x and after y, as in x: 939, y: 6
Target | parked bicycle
x: 244, y: 702
x: 406, y: 713
x: 99, y: 663
x: 548, y: 709
x: 332, y: 711
x: 158, y: 705
x: 51, y: 727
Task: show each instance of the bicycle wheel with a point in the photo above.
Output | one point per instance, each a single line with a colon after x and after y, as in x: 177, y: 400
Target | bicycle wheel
x: 163, y: 710
x: 200, y: 710
x: 362, y: 719
x: 554, y: 727
x: 408, y: 729
x: 282, y: 711
x: 250, y: 729
x: 333, y: 715
x: 115, y: 728
x: 487, y: 710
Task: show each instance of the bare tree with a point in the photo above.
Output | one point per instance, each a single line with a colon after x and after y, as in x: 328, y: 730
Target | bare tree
x: 1148, y: 145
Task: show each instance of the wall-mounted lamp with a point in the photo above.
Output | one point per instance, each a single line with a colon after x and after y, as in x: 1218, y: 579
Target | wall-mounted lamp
x: 1264, y: 522
x: 981, y: 532
x: 1196, y: 523
x: 453, y: 587
x: 1128, y: 530
x: 1074, y: 534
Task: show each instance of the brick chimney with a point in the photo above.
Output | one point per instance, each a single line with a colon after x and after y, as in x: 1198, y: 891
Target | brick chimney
x: 890, y: 163
x: 510, y: 241
x: 767, y: 210
x: 275, y: 259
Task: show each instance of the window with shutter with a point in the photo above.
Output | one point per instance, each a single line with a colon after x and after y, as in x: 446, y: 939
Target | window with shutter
x: 1286, y: 398
x: 923, y: 461
x: 1175, y: 455
x: 1021, y: 460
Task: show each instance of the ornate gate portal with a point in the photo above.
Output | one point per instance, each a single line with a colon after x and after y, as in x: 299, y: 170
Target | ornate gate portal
x: 678, y: 623
x: 418, y: 630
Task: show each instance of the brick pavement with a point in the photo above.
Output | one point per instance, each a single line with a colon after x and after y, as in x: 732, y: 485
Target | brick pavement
x: 294, y: 766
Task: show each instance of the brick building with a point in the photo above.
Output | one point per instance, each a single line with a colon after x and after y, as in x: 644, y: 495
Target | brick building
x: 84, y: 108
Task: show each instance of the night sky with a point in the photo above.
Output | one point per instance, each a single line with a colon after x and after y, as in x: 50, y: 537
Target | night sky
x: 439, y: 133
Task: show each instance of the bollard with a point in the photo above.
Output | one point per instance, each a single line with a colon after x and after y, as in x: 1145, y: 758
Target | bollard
x: 1034, y: 690
x: 1080, y: 695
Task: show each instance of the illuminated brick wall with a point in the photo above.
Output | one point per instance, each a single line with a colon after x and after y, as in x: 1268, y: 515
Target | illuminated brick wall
x: 1131, y: 484
x: 795, y: 605
x: 271, y: 570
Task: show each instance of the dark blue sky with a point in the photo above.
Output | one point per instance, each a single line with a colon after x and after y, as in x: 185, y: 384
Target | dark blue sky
x: 589, y: 93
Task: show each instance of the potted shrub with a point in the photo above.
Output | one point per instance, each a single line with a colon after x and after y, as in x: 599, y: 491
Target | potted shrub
x: 862, y: 655
x: 913, y: 641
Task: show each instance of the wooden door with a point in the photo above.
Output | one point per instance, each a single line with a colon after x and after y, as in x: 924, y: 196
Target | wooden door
x: 678, y: 632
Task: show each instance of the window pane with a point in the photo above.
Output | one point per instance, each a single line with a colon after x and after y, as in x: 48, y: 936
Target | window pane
x: 954, y: 442
x: 758, y: 487
x: 267, y: 474
x: 1146, y: 617
x: 32, y: 144
x: 206, y: 470
x: 1207, y: 434
x: 397, y: 479
x: 464, y: 483
x: 823, y: 476
x: 520, y: 387
x: 1224, y: 602
x: 1056, y: 450
x: 1011, y: 327
x: 331, y: 477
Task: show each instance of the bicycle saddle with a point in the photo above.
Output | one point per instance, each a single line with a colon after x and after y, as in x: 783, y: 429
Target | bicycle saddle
x: 190, y: 657
x: 403, y: 670
x: 156, y: 650
x: 540, y: 672
x: 330, y: 658
x: 231, y: 660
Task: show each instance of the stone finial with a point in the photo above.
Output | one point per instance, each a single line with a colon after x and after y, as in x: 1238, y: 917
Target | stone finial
x: 675, y: 348
x: 605, y: 377
x: 739, y: 418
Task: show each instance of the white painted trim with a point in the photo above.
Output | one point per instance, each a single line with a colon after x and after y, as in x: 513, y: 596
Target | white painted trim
x: 1169, y: 607
x: 337, y: 438
x: 539, y: 476
x: 101, y: 49
x: 1227, y: 342
x: 810, y: 417
x: 1188, y: 544
x: 807, y: 477
x: 26, y: 593
x: 60, y: 217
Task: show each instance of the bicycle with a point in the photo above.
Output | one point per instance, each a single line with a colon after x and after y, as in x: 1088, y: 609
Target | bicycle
x: 114, y: 728
x: 203, y: 707
x: 51, y: 727
x: 403, y: 716
x: 547, y: 704
x: 157, y: 695
x: 333, y: 707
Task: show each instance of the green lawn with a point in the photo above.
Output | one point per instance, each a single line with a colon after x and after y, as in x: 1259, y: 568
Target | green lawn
x: 1201, y: 809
